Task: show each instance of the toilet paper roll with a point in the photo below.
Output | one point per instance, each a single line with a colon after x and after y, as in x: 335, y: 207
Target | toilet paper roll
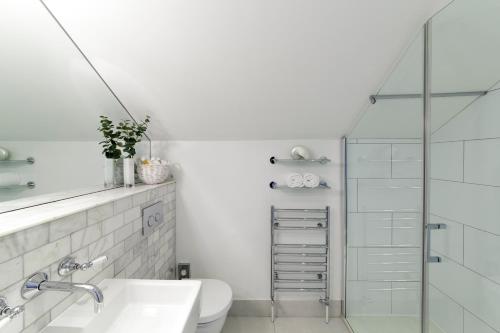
x: 9, y: 179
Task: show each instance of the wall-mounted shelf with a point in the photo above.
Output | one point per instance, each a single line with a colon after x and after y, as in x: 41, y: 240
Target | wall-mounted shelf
x: 29, y: 160
x: 29, y: 185
x: 276, y: 186
x: 321, y: 160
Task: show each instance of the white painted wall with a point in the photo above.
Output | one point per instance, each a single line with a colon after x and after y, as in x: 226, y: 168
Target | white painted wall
x: 223, y: 207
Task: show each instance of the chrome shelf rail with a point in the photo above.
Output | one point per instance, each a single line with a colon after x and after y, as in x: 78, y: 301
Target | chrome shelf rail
x: 300, y: 267
x: 276, y: 186
x: 29, y: 185
x: 321, y: 160
x: 29, y: 160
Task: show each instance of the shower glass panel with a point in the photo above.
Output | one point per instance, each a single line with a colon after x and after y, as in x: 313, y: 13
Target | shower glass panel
x: 464, y: 192
x: 384, y: 204
x: 384, y: 170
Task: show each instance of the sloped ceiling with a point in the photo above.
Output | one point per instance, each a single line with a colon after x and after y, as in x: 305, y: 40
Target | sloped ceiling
x: 244, y: 69
x: 464, y: 57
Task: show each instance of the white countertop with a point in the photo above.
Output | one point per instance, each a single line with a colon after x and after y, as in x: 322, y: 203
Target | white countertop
x: 18, y: 220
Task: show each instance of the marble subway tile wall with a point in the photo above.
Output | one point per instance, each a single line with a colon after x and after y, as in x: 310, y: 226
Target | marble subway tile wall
x: 113, y: 229
x: 465, y: 195
x: 384, y: 189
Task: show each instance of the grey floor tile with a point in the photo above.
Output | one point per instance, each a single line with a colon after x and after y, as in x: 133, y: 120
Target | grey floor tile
x: 309, y: 325
x: 248, y: 325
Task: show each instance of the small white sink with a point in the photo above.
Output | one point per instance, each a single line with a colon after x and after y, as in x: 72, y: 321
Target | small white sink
x: 153, y: 306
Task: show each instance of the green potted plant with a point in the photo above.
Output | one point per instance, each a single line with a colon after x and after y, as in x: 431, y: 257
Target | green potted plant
x: 131, y: 133
x: 111, y: 149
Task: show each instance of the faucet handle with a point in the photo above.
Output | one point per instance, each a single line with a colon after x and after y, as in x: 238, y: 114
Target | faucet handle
x: 96, y: 263
x: 69, y: 265
x: 8, y: 313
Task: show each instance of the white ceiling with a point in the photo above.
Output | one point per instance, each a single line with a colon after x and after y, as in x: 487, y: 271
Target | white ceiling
x: 245, y: 69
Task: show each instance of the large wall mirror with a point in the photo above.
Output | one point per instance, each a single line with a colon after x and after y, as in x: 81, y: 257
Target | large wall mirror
x: 50, y: 101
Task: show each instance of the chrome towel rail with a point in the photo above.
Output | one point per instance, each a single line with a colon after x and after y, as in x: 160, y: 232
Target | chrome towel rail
x: 322, y: 290
x: 296, y: 265
x: 301, y: 219
x: 280, y: 271
x: 319, y: 280
x: 306, y: 210
x: 300, y: 263
x: 302, y: 254
x: 302, y: 246
x: 300, y: 228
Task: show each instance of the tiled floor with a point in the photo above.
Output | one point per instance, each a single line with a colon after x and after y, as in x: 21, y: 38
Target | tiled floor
x: 283, y: 325
x: 377, y: 324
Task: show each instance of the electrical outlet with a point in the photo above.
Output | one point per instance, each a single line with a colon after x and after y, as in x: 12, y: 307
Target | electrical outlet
x: 183, y: 271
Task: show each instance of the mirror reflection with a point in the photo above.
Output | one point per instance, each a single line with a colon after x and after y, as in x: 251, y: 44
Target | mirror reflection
x: 51, y: 99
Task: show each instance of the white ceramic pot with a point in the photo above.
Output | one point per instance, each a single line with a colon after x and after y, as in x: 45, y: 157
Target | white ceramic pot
x: 128, y: 172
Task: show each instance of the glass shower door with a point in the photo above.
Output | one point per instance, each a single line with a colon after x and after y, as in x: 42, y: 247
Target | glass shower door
x: 464, y: 186
x: 384, y: 205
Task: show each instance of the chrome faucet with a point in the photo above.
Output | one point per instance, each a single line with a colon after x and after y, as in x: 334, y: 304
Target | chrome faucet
x: 38, y: 283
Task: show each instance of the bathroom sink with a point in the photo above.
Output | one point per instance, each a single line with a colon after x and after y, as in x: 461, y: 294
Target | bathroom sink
x: 153, y: 306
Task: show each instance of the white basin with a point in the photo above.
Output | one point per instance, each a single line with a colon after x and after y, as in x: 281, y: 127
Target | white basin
x: 153, y: 306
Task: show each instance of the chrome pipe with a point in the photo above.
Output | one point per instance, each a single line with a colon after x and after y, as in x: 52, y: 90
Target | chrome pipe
x: 375, y: 98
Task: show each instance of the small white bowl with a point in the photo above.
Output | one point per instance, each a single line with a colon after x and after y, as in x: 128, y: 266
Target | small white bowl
x: 4, y: 154
x: 300, y: 153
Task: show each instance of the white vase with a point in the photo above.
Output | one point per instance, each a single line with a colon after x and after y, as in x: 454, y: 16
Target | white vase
x: 119, y: 171
x: 109, y: 172
x: 128, y: 172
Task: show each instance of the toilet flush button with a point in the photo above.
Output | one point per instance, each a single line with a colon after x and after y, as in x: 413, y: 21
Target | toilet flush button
x: 152, y: 216
x: 151, y: 221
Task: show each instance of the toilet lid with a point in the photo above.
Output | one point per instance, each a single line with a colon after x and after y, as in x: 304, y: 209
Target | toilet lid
x: 216, y: 299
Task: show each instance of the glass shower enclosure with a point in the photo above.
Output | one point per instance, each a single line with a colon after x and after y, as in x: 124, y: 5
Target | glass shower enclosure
x: 422, y: 176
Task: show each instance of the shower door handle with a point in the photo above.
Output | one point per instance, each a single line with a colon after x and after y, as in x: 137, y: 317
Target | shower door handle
x: 430, y: 227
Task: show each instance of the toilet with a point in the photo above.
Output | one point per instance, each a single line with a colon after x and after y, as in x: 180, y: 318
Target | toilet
x: 216, y: 300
